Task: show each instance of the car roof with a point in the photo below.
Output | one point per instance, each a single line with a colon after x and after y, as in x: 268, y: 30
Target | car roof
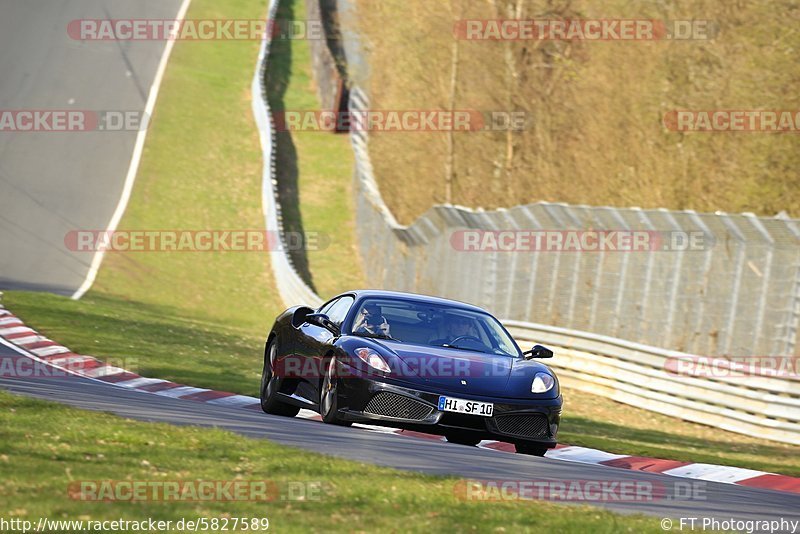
x: 380, y: 293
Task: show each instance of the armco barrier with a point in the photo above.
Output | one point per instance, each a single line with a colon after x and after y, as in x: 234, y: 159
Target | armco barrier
x: 627, y: 372
x: 638, y: 375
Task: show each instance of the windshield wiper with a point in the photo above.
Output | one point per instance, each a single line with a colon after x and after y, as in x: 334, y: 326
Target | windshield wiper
x: 375, y: 336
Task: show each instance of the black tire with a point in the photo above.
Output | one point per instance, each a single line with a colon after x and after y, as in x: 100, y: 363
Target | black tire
x: 269, y: 387
x: 531, y: 449
x: 328, y: 399
x: 463, y: 438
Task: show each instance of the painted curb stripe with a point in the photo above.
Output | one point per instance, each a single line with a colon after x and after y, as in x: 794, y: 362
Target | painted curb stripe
x: 716, y: 473
x: 22, y: 335
x: 68, y: 360
x: 125, y: 376
x: 26, y: 340
x: 160, y: 386
x: 642, y: 463
x: 235, y: 401
x: 36, y: 342
x: 139, y: 382
x: 209, y: 394
x: 180, y: 391
x: 583, y: 455
x: 500, y: 446
x: 102, y: 371
x: 50, y: 351
x: 414, y: 434
x: 16, y: 330
x: 773, y: 482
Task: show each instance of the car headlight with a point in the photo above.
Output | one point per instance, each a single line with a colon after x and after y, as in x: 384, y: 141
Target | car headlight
x: 542, y: 383
x: 373, y: 359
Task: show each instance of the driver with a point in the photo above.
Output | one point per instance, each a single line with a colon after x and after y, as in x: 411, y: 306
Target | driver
x: 457, y: 326
x: 372, y: 321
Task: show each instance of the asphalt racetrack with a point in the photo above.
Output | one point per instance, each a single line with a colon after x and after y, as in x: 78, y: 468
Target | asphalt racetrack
x: 56, y: 181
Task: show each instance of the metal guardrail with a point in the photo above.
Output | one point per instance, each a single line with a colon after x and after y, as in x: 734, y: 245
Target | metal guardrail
x: 627, y: 372
x: 642, y: 376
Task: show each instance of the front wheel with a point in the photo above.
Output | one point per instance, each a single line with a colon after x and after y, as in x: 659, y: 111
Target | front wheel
x: 269, y: 386
x: 328, y: 399
x: 532, y: 449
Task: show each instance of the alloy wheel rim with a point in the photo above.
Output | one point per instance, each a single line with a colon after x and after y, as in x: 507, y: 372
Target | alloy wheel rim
x: 327, y: 390
x: 267, y: 378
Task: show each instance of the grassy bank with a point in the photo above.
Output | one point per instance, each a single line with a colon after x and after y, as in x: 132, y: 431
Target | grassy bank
x: 594, y: 132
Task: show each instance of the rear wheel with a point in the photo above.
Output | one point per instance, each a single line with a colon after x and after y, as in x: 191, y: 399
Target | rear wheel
x: 532, y: 449
x: 328, y: 399
x: 463, y: 438
x: 269, y: 386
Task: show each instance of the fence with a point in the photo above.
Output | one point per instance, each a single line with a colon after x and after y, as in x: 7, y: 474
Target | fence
x: 737, y: 294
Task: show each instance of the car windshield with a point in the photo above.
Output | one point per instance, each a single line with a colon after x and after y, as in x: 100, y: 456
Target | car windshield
x: 423, y: 323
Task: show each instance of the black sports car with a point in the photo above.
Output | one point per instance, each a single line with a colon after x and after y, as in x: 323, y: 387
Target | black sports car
x: 411, y: 361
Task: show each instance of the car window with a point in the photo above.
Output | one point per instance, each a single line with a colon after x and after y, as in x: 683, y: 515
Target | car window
x: 432, y: 324
x: 338, y: 310
x: 328, y: 305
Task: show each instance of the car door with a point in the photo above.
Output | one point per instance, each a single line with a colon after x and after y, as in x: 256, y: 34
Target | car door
x: 315, y: 341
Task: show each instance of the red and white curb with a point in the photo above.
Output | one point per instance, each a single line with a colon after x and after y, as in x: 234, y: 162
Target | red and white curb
x: 28, y: 342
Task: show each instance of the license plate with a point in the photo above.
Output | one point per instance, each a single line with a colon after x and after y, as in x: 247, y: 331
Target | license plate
x: 450, y: 404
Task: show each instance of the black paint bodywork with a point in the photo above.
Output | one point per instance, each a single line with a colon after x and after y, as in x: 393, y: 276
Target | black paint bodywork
x: 304, y: 351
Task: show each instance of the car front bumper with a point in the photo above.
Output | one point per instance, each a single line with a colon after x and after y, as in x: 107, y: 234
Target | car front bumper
x: 377, y: 400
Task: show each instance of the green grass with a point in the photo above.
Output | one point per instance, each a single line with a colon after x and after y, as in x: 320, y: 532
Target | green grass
x: 201, y: 169
x: 47, y: 446
x: 151, y: 340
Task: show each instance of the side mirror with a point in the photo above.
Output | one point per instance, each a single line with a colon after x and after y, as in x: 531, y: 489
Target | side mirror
x: 322, y: 320
x: 538, y: 351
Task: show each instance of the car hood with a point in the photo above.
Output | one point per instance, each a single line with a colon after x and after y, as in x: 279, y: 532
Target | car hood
x: 466, y: 372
